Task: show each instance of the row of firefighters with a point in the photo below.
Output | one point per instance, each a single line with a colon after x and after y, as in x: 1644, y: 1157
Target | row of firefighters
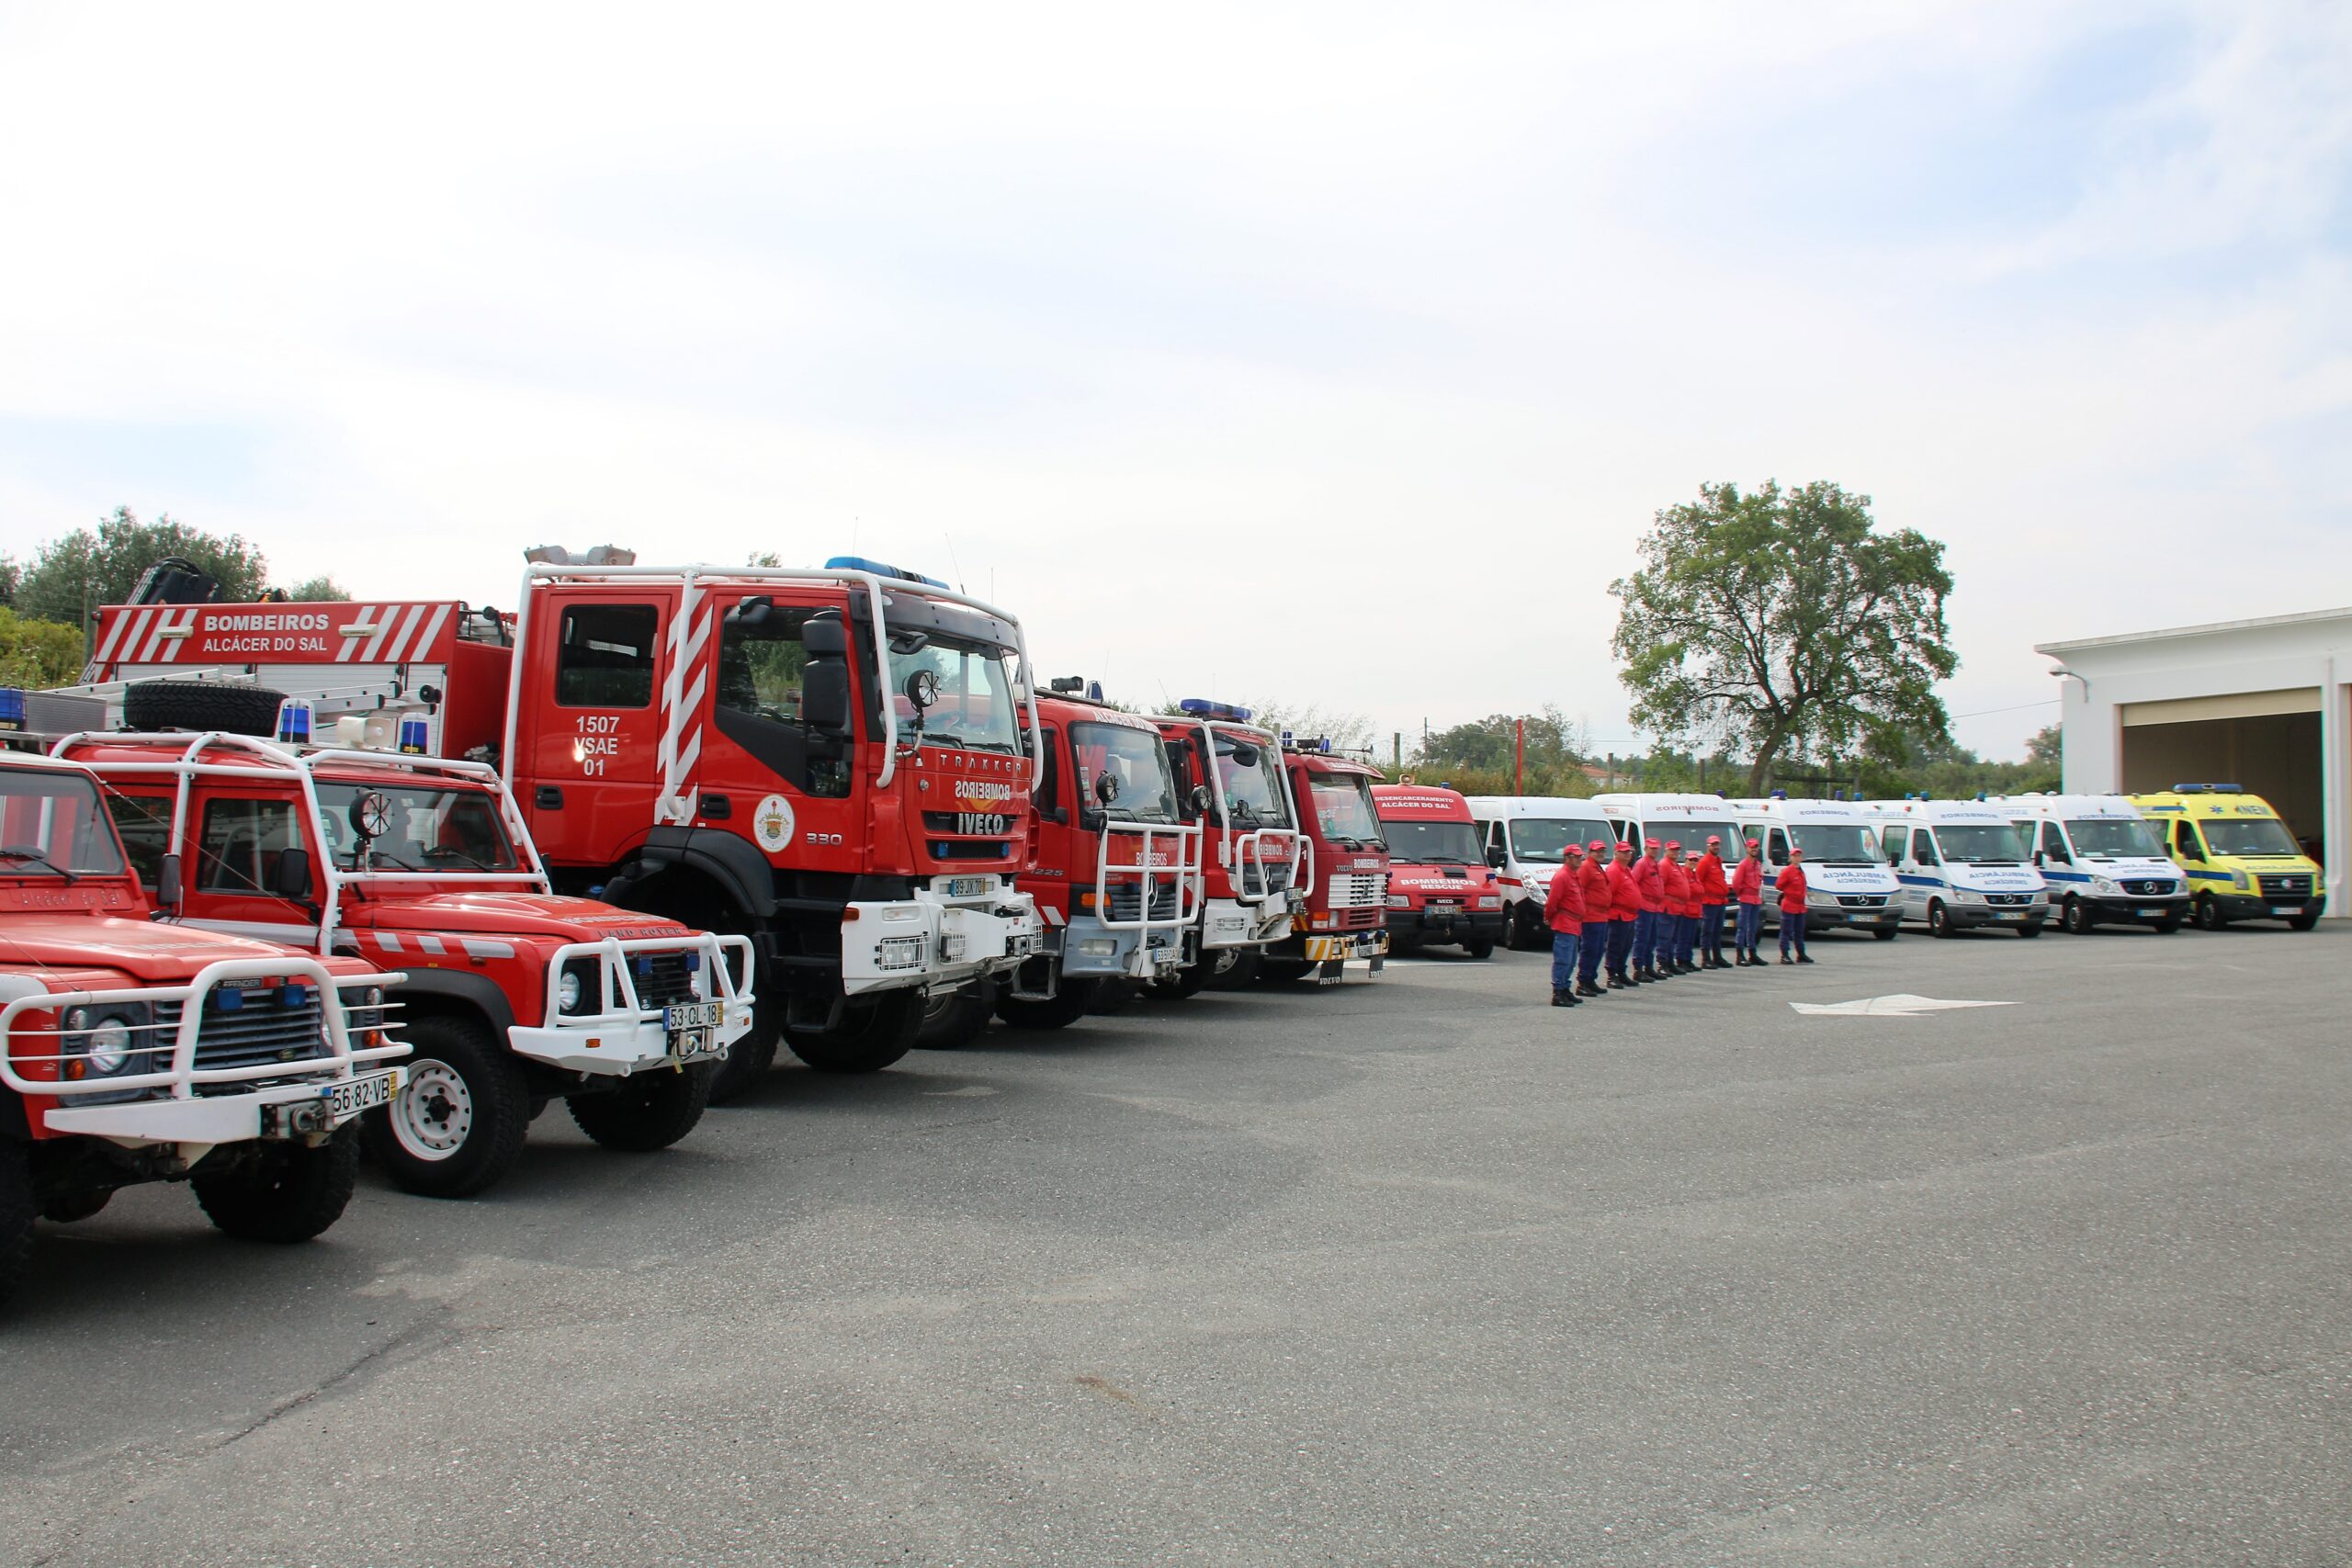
x: 1657, y: 912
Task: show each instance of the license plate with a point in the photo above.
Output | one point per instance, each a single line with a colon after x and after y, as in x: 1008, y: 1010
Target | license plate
x: 691, y: 1015
x: 2009, y: 915
x: 2285, y: 908
x: 2151, y: 914
x: 349, y: 1098
x: 967, y: 886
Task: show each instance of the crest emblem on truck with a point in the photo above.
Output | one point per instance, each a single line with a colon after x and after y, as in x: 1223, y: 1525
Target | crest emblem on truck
x: 772, y: 823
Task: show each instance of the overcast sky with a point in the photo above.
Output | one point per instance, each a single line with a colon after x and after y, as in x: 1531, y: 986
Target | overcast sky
x: 1337, y: 355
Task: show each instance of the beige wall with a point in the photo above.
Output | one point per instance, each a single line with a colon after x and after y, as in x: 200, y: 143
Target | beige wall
x: 2275, y: 757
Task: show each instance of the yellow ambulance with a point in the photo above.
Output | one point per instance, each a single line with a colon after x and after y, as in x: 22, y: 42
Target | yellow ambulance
x: 2241, y: 863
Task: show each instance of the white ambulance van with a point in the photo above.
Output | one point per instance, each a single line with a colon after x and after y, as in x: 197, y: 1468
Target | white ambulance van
x: 2102, y: 860
x: 1524, y: 835
x: 1848, y: 884
x: 1685, y: 819
x: 1962, y: 863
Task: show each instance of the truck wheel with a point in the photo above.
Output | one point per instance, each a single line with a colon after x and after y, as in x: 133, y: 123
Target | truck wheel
x: 2075, y: 917
x: 869, y: 1038
x: 2303, y: 921
x: 199, y: 705
x: 647, y: 1112
x: 1067, y: 1006
x: 751, y: 1058
x: 15, y: 1217
x: 1186, y: 983
x: 1938, y: 922
x: 66, y: 1208
x: 2209, y: 913
x: 457, y: 1124
x: 2032, y: 928
x: 1885, y: 933
x: 282, y: 1192
x: 1285, y: 969
x: 1239, y: 971
x: 1479, y: 950
x: 959, y: 1018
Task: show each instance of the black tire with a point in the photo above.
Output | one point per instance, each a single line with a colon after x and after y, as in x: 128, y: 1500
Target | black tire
x: 1522, y: 934
x: 2168, y: 925
x: 870, y: 1036
x: 1938, y: 922
x: 2303, y: 921
x: 959, y: 1018
x: 647, y: 1112
x: 2209, y: 913
x: 1282, y: 971
x: 15, y: 1217
x: 1481, y: 951
x: 1184, y: 985
x: 457, y: 1125
x: 751, y: 1058
x: 201, y: 705
x: 1885, y: 933
x: 2075, y: 917
x: 1239, y: 972
x: 282, y: 1192
x: 2032, y: 928
x: 69, y: 1208
x: 1068, y: 1005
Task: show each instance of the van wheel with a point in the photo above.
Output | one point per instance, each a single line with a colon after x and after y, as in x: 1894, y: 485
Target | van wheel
x: 1885, y: 933
x: 1066, y: 1007
x: 1938, y: 922
x: 2075, y: 917
x: 869, y: 1037
x: 2209, y: 913
x: 15, y: 1217
x: 2031, y: 929
x: 282, y: 1192
x: 645, y: 1112
x: 1479, y: 950
x: 1523, y: 936
x: 2303, y: 921
x: 2168, y: 925
x: 457, y: 1126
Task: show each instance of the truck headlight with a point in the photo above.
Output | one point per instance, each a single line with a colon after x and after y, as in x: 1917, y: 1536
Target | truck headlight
x: 2237, y: 879
x: 2105, y: 888
x: 1966, y: 895
x: 1490, y: 901
x: 103, y: 1044
x: 108, y: 1049
x: 579, y: 989
x: 1399, y: 901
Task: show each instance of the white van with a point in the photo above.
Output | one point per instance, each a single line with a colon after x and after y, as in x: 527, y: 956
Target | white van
x: 2102, y: 860
x: 1961, y: 864
x: 1686, y: 819
x: 1524, y: 835
x: 1848, y: 884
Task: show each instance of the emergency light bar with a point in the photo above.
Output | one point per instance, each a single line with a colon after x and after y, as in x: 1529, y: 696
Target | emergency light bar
x: 2208, y: 789
x: 859, y: 563
x: 1201, y: 707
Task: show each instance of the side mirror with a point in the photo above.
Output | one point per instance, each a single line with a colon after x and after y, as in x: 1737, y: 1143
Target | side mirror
x: 1201, y: 800
x: 292, y: 882
x: 2040, y: 858
x: 1106, y: 787
x: 1244, y: 755
x: 822, y: 637
x: 1496, y: 858
x: 752, y: 610
x: 167, y: 884
x: 923, y: 689
x: 824, y: 695
x: 371, y: 815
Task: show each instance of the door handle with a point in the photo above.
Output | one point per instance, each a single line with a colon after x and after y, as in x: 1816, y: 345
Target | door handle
x: 547, y: 797
x: 717, y: 807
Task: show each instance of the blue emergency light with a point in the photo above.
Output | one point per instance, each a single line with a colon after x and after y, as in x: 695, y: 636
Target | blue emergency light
x: 1201, y: 707
x: 294, y: 721
x: 1094, y: 691
x: 859, y: 563
x: 11, y: 707
x: 1779, y: 795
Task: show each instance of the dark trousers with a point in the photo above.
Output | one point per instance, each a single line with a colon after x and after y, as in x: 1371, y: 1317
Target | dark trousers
x: 1686, y: 937
x: 1751, y: 925
x: 1792, y: 926
x: 1563, y: 960
x: 1645, y: 926
x: 1710, y: 930
x: 1600, y: 937
x: 1620, y: 943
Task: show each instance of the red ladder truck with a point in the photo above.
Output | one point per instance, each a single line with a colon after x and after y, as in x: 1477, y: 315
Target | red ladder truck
x: 829, y: 762
x: 1230, y: 779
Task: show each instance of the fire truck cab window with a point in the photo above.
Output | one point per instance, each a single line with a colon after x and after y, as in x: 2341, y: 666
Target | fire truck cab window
x: 145, y: 824
x: 241, y: 840
x: 762, y: 676
x: 604, y: 656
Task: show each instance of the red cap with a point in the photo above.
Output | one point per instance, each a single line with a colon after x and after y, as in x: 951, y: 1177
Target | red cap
x: 1572, y: 847
x: 1598, y: 844
x: 1754, y: 844
x: 1674, y: 844
x: 1715, y: 838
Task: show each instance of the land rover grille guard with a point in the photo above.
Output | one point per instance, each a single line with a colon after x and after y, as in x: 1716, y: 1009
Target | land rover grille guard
x: 641, y: 977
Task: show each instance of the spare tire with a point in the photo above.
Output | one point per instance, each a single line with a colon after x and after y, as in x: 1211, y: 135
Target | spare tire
x: 201, y: 705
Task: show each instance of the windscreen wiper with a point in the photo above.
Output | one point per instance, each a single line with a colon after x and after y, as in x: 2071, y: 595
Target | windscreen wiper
x: 33, y: 857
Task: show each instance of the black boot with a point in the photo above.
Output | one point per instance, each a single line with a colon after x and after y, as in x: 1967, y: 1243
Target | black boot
x: 1617, y: 982
x: 1564, y: 998
x: 1586, y: 988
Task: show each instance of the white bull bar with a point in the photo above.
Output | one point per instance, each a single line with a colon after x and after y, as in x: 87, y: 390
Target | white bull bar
x: 936, y: 941
x: 184, y: 1117
x: 630, y: 1037
x: 1146, y: 875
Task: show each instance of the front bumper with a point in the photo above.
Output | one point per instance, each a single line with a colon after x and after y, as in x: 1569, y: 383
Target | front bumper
x: 215, y: 1119
x: 630, y: 1036
x: 1445, y: 925
x: 936, y: 941
x: 2254, y: 907
x: 1337, y: 946
x: 1839, y: 917
x: 1231, y: 922
x: 2126, y: 909
x: 1088, y: 949
x: 1967, y: 917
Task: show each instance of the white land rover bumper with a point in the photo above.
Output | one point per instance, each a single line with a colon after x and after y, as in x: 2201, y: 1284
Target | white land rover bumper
x: 954, y: 929
x: 180, y: 1093
x: 618, y: 1031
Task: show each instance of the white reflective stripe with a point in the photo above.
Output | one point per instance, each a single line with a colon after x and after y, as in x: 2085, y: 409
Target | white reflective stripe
x: 488, y: 949
x: 408, y: 629
x: 172, y: 646
x: 363, y: 615
x: 383, y: 616
x: 156, y: 620
x: 387, y: 941
x: 432, y: 629
x: 120, y: 622
x: 431, y: 944
x: 1053, y: 916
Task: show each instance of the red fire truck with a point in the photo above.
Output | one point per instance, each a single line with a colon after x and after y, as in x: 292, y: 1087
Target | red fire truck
x: 1230, y: 779
x: 514, y: 995
x: 829, y: 762
x: 134, y: 1052
x: 1345, y: 880
x: 1440, y: 888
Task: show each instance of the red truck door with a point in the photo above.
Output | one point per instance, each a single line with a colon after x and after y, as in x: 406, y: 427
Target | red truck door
x: 588, y: 725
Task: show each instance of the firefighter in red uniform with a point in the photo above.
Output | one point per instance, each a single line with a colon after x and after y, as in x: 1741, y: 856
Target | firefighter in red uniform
x: 1649, y: 890
x: 1747, y: 891
x: 1599, y: 920
x: 1714, y: 892
x: 1790, y: 885
x: 1625, y: 898
x: 1564, y: 912
x: 1682, y: 918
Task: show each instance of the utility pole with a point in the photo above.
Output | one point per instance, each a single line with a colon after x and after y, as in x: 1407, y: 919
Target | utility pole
x: 1518, y: 758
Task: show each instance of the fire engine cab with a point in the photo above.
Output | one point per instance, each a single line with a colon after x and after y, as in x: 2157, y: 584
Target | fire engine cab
x: 1346, y: 881
x: 1229, y: 778
x: 514, y: 995
x: 829, y: 763
x: 132, y: 1051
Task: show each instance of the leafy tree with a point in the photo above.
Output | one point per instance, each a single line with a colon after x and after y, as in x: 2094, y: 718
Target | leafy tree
x: 318, y: 591
x: 1780, y: 623
x: 10, y: 572
x: 38, y: 653
x: 2045, y: 748
x: 101, y: 567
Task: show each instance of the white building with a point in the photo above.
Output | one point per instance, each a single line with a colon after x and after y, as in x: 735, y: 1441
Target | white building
x: 2258, y: 703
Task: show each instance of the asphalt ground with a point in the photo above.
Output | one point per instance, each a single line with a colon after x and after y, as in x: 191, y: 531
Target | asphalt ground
x: 1419, y: 1270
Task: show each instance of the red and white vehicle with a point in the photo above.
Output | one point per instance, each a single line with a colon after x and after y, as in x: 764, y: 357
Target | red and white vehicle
x: 1440, y: 888
x: 514, y: 994
x: 828, y: 762
x: 1346, y: 881
x: 1230, y: 779
x: 134, y: 1052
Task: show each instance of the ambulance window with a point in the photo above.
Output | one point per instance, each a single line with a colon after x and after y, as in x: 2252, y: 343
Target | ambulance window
x: 2054, y: 844
x: 604, y: 656
x: 1894, y: 839
x: 1923, y: 847
x: 2184, y: 838
x: 145, y: 824
x: 1778, y: 843
x: 241, y: 843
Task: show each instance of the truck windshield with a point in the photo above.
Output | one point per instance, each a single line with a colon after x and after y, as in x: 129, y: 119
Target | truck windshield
x: 974, y: 710
x: 2112, y: 837
x: 51, y: 825
x: 1980, y: 843
x: 1344, y: 809
x: 1147, y: 793
x: 2248, y: 836
x: 1253, y: 787
x: 1833, y: 843
x: 436, y: 828
x: 1543, y: 839
x: 1432, y: 843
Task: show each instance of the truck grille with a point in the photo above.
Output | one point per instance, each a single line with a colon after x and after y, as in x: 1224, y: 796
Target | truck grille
x: 1358, y: 919
x: 2297, y: 886
x: 2150, y: 888
x: 256, y: 1034
x: 1124, y: 901
x: 1861, y: 901
x: 970, y: 848
x: 1251, y: 879
x: 1358, y: 890
x: 661, y: 978
x: 2008, y: 900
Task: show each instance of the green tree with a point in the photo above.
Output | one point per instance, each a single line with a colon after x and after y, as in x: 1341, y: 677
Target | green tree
x: 89, y: 567
x: 11, y: 572
x: 2046, y: 747
x: 318, y: 591
x: 38, y: 653
x: 1781, y: 624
